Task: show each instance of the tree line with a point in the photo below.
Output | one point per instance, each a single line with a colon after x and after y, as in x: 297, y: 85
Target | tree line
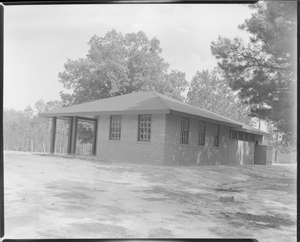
x: 255, y: 80
x: 26, y: 131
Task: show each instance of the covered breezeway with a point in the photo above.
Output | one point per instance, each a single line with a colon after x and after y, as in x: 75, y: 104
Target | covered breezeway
x: 72, y: 133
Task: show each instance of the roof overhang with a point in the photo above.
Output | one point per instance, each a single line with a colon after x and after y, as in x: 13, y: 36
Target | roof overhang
x: 96, y: 113
x: 187, y: 115
x: 93, y: 115
x: 260, y: 132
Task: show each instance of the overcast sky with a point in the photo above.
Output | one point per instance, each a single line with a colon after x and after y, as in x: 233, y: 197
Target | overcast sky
x: 38, y: 40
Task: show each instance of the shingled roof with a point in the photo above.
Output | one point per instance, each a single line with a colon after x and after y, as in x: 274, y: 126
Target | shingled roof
x: 144, y: 103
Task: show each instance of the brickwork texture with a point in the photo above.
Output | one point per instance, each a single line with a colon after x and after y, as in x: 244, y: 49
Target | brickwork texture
x: 129, y: 148
x: 165, y: 148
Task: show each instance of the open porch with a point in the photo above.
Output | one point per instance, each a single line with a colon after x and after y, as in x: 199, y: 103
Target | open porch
x: 72, y: 133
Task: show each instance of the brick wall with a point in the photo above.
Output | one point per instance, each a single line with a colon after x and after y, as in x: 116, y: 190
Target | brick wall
x: 229, y: 151
x: 128, y: 148
x: 192, y: 153
x: 164, y: 147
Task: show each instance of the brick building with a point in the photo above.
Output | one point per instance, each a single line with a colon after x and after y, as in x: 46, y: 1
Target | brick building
x: 148, y: 127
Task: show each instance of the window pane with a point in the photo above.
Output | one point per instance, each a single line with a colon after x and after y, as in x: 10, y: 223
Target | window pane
x: 246, y: 136
x: 240, y: 135
x: 201, y: 139
x: 115, y: 127
x: 234, y: 134
x: 201, y: 127
x: 145, y: 127
x: 216, y: 130
x: 184, y: 131
x: 252, y: 137
x: 201, y: 132
x: 216, y: 135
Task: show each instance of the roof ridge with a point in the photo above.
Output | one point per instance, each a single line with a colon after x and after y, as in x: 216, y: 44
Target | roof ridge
x: 160, y: 99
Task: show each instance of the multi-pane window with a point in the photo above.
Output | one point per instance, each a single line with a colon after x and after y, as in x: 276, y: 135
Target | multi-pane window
x: 115, y: 127
x: 184, y: 131
x: 246, y: 136
x: 234, y: 134
x: 201, y: 131
x: 252, y: 137
x: 243, y: 136
x: 240, y: 136
x: 216, y: 135
x: 145, y: 127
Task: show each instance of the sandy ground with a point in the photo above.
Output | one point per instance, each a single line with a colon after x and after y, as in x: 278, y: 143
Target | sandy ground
x: 55, y: 197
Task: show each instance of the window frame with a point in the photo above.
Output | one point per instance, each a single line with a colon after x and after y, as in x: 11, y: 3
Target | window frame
x: 139, y: 127
x: 204, y: 129
x: 241, y: 139
x: 246, y: 134
x: 236, y: 134
x: 252, y: 137
x: 110, y: 127
x: 214, y: 136
x: 186, y: 131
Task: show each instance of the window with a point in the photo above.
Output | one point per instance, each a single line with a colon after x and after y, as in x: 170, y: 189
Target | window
x: 252, y: 137
x: 201, y: 132
x: 246, y: 136
x: 216, y: 135
x: 144, y: 128
x: 234, y: 134
x: 115, y: 127
x: 184, y: 131
x: 240, y: 136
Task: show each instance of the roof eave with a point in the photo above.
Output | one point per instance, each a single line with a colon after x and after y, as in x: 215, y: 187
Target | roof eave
x: 174, y: 112
x: 95, y: 113
x: 260, y: 132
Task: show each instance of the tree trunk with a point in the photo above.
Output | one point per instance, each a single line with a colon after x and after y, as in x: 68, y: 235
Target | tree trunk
x: 44, y: 146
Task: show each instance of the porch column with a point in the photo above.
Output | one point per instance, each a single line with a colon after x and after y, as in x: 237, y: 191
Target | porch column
x: 74, y: 135
x: 53, y: 132
x: 70, y: 135
x: 94, y: 148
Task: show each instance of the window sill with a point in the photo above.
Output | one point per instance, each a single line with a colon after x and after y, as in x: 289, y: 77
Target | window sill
x: 114, y: 140
x: 184, y: 145
x: 144, y: 142
x: 201, y: 146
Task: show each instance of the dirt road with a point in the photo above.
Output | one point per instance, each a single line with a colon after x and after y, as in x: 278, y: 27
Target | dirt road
x: 54, y: 197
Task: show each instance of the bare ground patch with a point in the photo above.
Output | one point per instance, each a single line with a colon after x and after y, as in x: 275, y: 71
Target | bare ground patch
x: 257, y: 221
x: 54, y: 197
